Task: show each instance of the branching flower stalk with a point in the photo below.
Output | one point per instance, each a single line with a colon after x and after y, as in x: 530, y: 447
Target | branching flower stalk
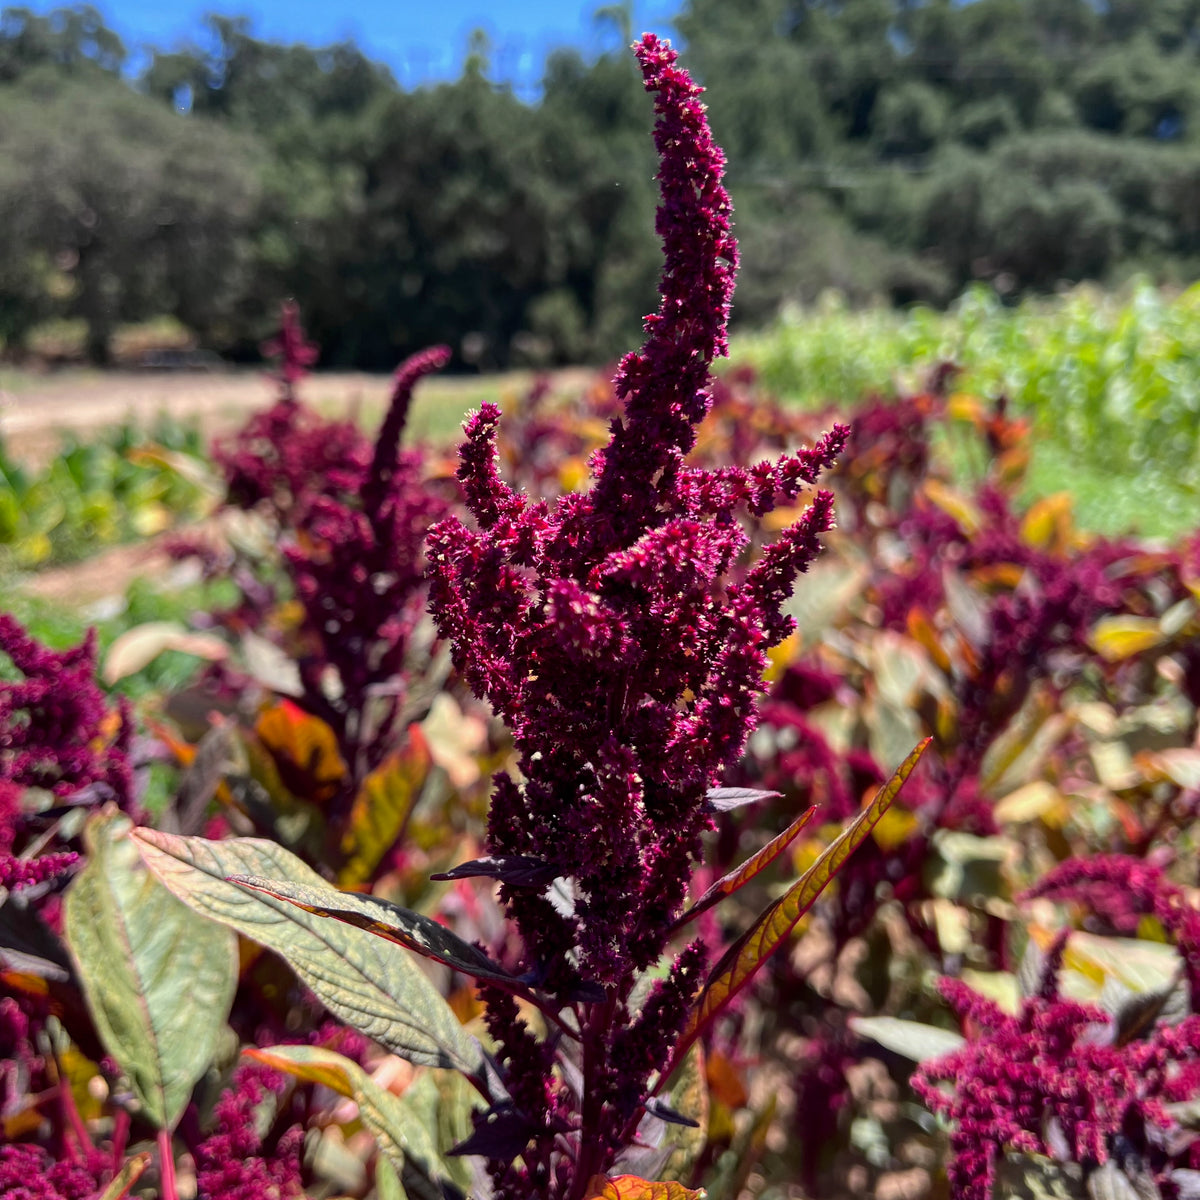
x: 615, y: 637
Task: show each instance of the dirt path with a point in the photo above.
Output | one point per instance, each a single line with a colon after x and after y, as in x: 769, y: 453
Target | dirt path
x: 34, y: 417
x: 36, y: 412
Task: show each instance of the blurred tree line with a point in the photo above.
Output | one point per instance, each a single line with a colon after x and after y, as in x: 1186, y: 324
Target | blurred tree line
x: 894, y: 148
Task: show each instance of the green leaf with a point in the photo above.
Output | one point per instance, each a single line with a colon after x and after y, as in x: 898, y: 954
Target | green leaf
x: 911, y: 1038
x: 412, y: 930
x: 158, y: 979
x: 399, y: 1131
x: 740, y: 962
x: 355, y: 975
x: 689, y: 1097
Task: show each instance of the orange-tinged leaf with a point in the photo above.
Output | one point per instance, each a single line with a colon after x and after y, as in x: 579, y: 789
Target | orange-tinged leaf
x: 921, y: 630
x: 1048, y: 524
x: 962, y: 406
x: 382, y: 808
x: 725, y: 1082
x: 631, y: 1187
x: 955, y: 505
x: 304, y: 748
x: 740, y: 962
x: 754, y: 865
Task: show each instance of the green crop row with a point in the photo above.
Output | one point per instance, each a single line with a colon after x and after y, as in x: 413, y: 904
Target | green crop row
x: 1110, y: 381
x: 113, y: 487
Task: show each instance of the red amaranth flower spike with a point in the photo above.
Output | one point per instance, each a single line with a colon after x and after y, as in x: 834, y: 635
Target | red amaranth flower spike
x: 622, y: 642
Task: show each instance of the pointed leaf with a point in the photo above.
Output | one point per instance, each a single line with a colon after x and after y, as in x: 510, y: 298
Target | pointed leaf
x: 382, y: 809
x: 158, y: 979
x: 381, y: 993
x: 910, y: 1038
x: 630, y: 1187
x: 138, y: 647
x: 740, y: 962
x: 130, y: 1172
x: 516, y: 870
x: 754, y: 865
x: 1119, y: 637
x: 414, y: 931
x: 728, y: 798
x: 400, y: 1133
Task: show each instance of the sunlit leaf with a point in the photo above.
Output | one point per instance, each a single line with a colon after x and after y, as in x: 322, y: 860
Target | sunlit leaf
x: 414, y: 931
x: 689, y: 1096
x: 1048, y: 525
x: 304, y: 749
x: 1117, y: 638
x: 157, y: 978
x: 630, y: 1187
x: 955, y: 505
x: 382, y: 808
x: 910, y: 1038
x: 400, y: 1132
x: 130, y: 1172
x: 754, y: 865
x: 358, y: 977
x: 138, y: 647
x: 740, y: 962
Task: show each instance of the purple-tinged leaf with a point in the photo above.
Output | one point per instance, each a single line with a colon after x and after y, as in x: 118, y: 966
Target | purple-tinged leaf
x: 414, y: 931
x: 664, y: 1112
x: 502, y: 1133
x: 726, y: 799
x: 742, y: 960
x: 516, y: 870
x: 754, y: 865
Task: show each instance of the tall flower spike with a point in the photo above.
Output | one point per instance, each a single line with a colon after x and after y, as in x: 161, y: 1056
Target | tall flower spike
x: 622, y: 642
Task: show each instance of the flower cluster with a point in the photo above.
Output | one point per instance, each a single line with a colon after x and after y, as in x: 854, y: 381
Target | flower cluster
x: 1057, y: 1080
x: 610, y: 635
x: 236, y: 1161
x: 286, y: 455
x: 56, y: 733
x: 358, y: 570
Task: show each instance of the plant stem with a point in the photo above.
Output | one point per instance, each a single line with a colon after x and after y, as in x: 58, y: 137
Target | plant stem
x: 166, y: 1165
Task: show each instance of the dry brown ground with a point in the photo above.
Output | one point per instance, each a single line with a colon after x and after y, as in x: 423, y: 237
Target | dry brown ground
x: 35, y: 412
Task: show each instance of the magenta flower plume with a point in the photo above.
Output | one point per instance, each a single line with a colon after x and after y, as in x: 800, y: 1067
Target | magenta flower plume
x: 614, y: 636
x: 55, y: 734
x: 359, y: 573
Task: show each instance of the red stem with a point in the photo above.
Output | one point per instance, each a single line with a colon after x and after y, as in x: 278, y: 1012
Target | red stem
x: 120, y: 1138
x: 166, y: 1165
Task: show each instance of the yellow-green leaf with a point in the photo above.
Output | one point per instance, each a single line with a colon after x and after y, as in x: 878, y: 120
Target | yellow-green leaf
x: 369, y: 984
x: 382, y: 808
x: 126, y: 1177
x: 399, y: 1131
x: 158, y: 979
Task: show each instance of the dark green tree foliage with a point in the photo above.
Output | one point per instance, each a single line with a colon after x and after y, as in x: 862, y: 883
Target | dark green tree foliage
x: 896, y: 148
x: 1023, y: 141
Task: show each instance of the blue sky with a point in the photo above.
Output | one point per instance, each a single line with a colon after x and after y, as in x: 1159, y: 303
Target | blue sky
x: 421, y: 40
